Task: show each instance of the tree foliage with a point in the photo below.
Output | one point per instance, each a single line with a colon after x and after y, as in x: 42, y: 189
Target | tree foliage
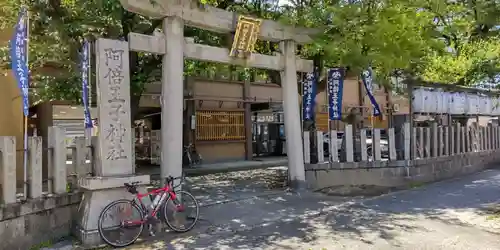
x: 477, y: 62
x: 470, y: 32
x: 57, y: 30
x: 385, y: 34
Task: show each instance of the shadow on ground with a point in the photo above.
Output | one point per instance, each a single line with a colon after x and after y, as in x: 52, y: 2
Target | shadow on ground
x: 225, y: 187
x: 435, y: 214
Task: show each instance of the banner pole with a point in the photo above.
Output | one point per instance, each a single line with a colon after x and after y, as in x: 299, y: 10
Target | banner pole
x: 88, y: 131
x: 327, y: 93
x: 302, y: 82
x: 331, y: 138
x: 25, y: 160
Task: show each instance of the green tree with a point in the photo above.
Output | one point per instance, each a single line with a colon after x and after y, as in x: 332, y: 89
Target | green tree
x: 470, y: 31
x: 57, y: 30
x: 477, y: 62
x: 387, y: 35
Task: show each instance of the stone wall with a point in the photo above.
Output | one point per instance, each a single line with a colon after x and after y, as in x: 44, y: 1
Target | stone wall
x: 399, y: 173
x: 44, y: 211
x: 26, y: 225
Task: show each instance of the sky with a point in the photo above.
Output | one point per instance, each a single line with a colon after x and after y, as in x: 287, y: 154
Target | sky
x: 281, y: 2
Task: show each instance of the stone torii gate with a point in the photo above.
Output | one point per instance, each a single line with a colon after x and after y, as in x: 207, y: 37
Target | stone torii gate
x: 175, y: 47
x: 113, y: 161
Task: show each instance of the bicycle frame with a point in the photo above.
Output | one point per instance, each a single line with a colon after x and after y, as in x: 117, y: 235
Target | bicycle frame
x: 138, y: 197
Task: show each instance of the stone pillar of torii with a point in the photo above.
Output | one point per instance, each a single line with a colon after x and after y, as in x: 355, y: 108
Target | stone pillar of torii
x: 113, y: 158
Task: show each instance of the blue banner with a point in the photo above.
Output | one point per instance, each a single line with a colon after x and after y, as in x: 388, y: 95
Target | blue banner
x: 367, y: 78
x: 335, y: 86
x: 85, y: 65
x: 308, y: 97
x: 18, y: 55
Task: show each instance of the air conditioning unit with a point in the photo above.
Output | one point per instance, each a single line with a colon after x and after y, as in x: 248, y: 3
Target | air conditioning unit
x: 395, y: 107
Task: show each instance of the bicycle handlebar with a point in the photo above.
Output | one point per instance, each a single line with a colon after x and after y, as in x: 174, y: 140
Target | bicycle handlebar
x: 170, y: 181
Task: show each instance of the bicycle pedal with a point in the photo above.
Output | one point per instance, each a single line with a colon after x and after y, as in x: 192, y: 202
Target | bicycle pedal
x: 151, y: 230
x: 153, y: 220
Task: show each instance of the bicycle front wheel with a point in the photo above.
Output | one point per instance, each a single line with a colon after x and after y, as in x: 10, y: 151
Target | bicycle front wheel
x: 121, y: 223
x: 181, y: 215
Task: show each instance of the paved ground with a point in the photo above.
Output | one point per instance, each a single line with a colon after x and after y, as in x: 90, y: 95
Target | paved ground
x: 446, y: 215
x: 243, y: 212
x: 223, y: 167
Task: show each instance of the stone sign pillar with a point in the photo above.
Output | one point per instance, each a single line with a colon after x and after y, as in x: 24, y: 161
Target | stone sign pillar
x: 113, y: 159
x: 113, y: 88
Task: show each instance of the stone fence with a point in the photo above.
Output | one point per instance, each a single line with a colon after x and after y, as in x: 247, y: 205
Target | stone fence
x: 46, y: 212
x: 424, y: 155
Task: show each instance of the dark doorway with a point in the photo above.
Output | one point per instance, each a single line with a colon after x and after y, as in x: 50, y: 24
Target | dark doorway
x: 268, y: 134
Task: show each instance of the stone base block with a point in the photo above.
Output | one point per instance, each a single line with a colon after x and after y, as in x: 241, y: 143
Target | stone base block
x: 99, y: 192
x: 99, y: 183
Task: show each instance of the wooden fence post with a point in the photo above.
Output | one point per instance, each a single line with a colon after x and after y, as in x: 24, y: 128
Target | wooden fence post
x: 427, y: 142
x: 362, y: 138
x: 35, y: 167
x: 421, y: 153
x: 377, y: 155
x: 57, y: 157
x: 334, y: 150
x: 392, y: 145
x: 446, y: 140
x: 307, y: 147
x: 414, y: 144
x: 407, y: 140
x: 464, y: 138
x: 8, y: 168
x: 319, y: 148
x: 440, y: 141
x: 80, y: 157
x: 349, y: 143
x: 434, y: 137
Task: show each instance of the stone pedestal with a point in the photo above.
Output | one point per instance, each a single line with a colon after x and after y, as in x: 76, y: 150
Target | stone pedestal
x: 98, y: 193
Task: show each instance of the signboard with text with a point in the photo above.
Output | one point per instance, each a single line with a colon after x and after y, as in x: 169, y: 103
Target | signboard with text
x: 308, y: 97
x: 245, y: 36
x: 335, y: 87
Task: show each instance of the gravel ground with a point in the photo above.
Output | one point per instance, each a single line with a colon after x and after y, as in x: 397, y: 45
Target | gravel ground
x: 231, y: 186
x: 445, y: 215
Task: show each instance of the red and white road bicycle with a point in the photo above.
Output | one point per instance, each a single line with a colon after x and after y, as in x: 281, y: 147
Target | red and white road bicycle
x: 122, y: 222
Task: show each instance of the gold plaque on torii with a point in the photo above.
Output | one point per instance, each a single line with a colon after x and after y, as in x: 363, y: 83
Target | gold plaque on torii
x: 247, y: 30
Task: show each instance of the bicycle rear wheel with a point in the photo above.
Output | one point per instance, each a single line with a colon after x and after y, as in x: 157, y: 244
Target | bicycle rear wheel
x: 197, y: 159
x: 181, y: 215
x: 120, y: 223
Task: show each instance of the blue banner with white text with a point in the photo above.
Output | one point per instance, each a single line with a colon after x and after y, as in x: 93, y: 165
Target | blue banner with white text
x: 367, y: 77
x: 18, y: 55
x: 308, y: 97
x: 335, y: 87
x: 85, y: 65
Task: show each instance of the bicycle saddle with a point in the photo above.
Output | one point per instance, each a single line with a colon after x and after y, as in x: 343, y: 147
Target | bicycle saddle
x: 132, y: 184
x: 132, y: 187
